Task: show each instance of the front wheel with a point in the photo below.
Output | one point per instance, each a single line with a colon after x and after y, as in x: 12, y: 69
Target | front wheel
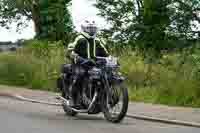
x: 116, y: 104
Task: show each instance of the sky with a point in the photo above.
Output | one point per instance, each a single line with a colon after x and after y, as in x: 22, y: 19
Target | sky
x: 81, y: 10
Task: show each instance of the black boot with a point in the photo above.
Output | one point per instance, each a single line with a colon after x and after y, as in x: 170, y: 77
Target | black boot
x: 72, y: 92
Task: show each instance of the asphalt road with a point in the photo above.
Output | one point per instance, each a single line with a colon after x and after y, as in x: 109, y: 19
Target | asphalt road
x: 23, y: 117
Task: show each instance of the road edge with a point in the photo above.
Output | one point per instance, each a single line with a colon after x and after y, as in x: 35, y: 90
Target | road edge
x: 162, y: 120
x: 139, y: 117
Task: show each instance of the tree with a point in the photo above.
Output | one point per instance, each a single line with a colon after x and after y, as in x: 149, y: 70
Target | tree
x: 15, y: 11
x: 150, y: 24
x: 51, y: 17
x: 57, y: 18
x: 119, y: 14
x: 183, y: 15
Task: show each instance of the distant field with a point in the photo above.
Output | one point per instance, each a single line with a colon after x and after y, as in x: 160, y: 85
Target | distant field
x: 9, y: 46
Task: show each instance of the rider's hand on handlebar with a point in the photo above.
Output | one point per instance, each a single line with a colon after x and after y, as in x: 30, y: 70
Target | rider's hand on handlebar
x: 74, y: 55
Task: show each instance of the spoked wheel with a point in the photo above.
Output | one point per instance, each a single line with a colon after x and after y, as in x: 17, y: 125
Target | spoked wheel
x: 116, y: 105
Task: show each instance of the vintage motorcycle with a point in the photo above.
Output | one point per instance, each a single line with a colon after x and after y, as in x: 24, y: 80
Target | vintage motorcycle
x: 98, y: 87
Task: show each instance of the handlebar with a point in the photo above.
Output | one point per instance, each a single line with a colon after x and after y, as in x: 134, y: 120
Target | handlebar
x: 87, y: 61
x: 99, y: 61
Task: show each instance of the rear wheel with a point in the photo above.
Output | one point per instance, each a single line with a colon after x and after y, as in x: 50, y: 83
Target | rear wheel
x: 116, y: 105
x: 68, y: 111
x: 66, y: 108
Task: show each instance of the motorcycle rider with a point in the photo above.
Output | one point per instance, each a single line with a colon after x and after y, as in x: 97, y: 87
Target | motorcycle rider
x: 86, y: 46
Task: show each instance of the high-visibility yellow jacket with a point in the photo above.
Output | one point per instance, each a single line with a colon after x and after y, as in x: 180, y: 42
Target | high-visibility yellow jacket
x: 88, y: 48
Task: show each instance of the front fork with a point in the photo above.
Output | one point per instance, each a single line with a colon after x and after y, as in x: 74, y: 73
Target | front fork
x: 108, y: 89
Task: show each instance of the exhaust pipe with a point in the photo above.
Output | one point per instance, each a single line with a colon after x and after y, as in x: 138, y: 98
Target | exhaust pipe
x: 80, y: 111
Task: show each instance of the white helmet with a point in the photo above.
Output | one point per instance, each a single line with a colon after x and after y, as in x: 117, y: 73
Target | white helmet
x: 89, y: 28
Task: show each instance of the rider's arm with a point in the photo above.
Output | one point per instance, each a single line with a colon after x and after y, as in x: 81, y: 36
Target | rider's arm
x: 75, y: 47
x: 75, y: 50
x: 72, y: 48
x: 102, y: 50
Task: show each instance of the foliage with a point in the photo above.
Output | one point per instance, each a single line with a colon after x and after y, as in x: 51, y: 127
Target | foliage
x: 35, y: 66
x: 138, y: 27
x: 56, y: 17
x: 51, y: 17
x: 151, y: 25
x: 174, y: 80
x: 15, y: 11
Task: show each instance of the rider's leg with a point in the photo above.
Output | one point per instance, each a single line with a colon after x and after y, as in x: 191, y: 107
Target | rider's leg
x: 72, y: 90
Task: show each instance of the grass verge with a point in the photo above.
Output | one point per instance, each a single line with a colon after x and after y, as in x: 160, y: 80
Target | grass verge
x: 174, y: 80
